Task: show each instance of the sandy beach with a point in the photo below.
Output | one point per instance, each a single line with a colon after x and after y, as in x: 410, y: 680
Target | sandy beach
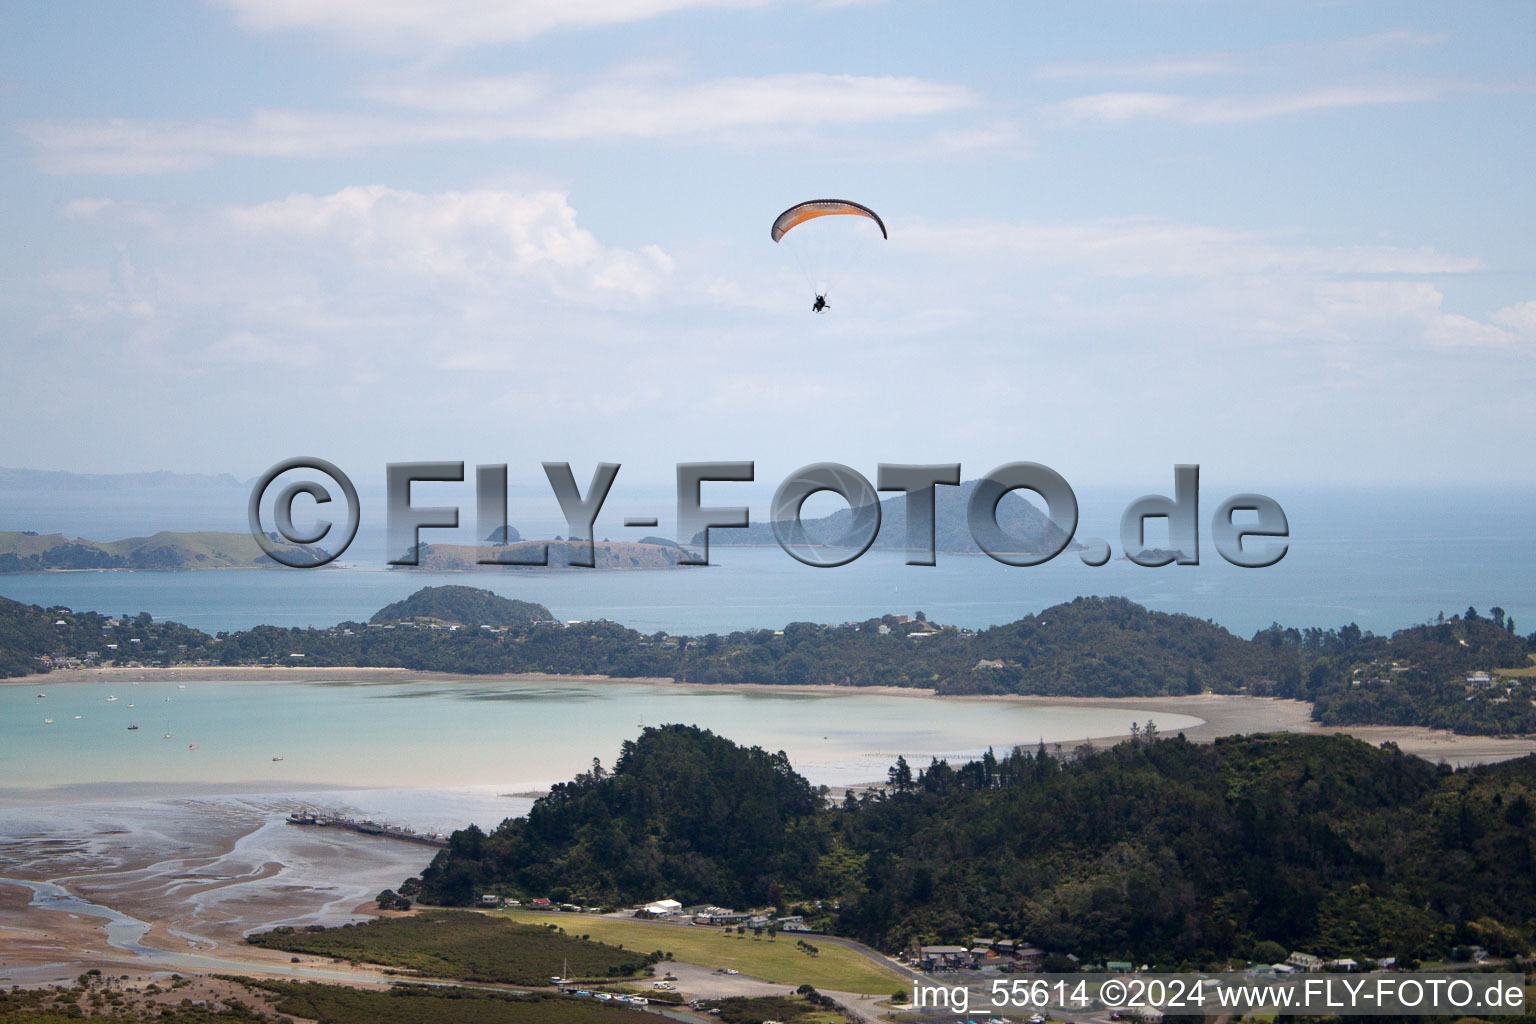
x: 289, y: 674
x: 1226, y: 715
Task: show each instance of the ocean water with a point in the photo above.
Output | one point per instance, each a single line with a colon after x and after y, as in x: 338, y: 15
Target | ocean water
x: 485, y: 741
x: 1381, y: 558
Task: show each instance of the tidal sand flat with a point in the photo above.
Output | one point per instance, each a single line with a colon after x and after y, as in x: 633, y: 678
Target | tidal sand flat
x: 198, y: 873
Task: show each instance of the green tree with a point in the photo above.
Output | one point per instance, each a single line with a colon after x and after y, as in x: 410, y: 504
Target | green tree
x: 1269, y: 952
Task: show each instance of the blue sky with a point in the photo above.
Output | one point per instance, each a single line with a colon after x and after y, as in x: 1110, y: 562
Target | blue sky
x: 1288, y: 241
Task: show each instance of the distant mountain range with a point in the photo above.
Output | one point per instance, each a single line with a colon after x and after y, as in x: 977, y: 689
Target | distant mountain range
x: 59, y: 480
x: 1016, y: 516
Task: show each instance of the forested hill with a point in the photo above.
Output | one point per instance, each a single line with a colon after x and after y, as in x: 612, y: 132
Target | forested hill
x: 681, y: 808
x: 465, y: 606
x: 1472, y: 673
x: 1158, y: 850
x: 1087, y: 647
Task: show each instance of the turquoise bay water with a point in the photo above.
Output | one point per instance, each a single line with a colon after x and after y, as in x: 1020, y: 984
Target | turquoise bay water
x: 495, y: 737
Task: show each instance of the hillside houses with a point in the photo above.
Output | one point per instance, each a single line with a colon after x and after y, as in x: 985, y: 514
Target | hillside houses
x: 988, y: 953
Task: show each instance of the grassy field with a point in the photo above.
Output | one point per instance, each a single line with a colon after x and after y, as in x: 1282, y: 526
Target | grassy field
x: 334, y: 1004
x: 462, y: 945
x: 331, y: 1004
x: 1519, y: 673
x: 835, y: 967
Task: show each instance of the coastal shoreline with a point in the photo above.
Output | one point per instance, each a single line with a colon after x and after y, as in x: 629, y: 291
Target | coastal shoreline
x: 1236, y: 715
x: 1219, y: 714
x: 303, y: 674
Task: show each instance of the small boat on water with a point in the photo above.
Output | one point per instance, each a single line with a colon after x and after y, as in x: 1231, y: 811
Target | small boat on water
x: 78, y: 717
x: 133, y: 728
x: 111, y: 699
x: 130, y: 705
x: 166, y: 736
x: 47, y: 721
x: 181, y: 686
x: 42, y: 695
x: 277, y: 759
x: 191, y: 746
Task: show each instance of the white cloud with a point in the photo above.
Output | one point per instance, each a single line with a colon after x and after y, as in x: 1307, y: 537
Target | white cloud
x: 495, y: 314
x: 996, y: 140
x: 1420, y: 304
x: 495, y: 109
x: 1125, y: 106
x: 412, y: 24
x: 485, y: 94
x: 1124, y: 279
x: 800, y: 99
x: 245, y: 348
x: 84, y: 208
x: 1519, y: 318
x: 1154, y: 247
x: 366, y: 277
x: 1386, y: 39
x: 1199, y: 65
x: 480, y: 240
x: 122, y: 146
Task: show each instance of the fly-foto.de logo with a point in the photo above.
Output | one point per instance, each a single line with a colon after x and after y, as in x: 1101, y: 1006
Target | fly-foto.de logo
x: 1248, y: 530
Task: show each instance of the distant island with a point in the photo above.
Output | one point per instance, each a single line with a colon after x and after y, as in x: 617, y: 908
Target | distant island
x: 29, y: 551
x: 1015, y: 516
x: 1472, y: 672
x: 651, y: 553
x: 1156, y: 555
x: 57, y: 481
